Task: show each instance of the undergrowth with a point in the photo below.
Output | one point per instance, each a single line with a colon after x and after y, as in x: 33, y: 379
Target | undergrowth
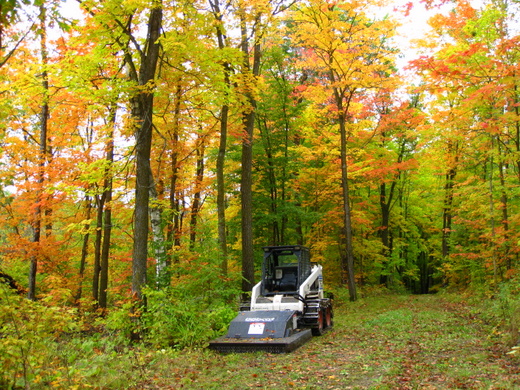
x: 43, y: 346
x: 502, y: 308
x: 172, y: 319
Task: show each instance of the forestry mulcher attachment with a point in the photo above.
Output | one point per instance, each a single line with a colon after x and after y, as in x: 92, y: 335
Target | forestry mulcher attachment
x: 287, y: 306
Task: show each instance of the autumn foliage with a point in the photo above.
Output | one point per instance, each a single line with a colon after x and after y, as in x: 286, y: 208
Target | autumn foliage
x: 406, y: 179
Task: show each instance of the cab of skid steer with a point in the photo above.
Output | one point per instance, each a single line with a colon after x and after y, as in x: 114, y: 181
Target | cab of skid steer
x: 284, y: 269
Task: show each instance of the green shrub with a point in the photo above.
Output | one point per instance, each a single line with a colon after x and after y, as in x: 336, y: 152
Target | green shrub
x: 30, y: 333
x: 182, y: 321
x: 196, y: 307
x: 507, y: 307
x: 501, y: 308
x: 185, y: 315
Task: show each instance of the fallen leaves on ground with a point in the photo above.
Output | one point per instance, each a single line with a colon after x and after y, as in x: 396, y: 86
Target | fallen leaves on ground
x: 393, y: 342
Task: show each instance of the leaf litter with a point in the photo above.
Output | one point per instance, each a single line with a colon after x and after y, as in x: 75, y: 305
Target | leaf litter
x: 393, y: 342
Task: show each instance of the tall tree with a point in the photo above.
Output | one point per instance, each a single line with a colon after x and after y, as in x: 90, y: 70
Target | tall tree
x: 351, y: 53
x: 477, y: 66
x: 254, y: 20
x: 250, y: 72
x: 141, y: 62
x: 107, y: 202
x: 43, y: 152
x: 279, y: 118
x: 142, y: 112
x: 224, y: 116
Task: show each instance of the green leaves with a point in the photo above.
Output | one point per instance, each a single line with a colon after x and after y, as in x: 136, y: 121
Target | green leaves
x: 9, y: 10
x: 28, y: 329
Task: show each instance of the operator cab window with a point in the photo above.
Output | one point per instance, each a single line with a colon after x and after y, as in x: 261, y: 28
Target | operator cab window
x: 281, y: 272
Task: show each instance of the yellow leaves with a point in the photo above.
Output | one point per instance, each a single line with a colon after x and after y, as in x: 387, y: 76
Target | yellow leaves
x: 94, y: 172
x: 132, y: 5
x: 250, y: 9
x: 349, y: 48
x: 248, y: 87
x: 83, y: 226
x: 148, y: 87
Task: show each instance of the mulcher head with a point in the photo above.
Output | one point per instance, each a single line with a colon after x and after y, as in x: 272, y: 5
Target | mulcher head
x: 278, y: 345
x: 270, y: 331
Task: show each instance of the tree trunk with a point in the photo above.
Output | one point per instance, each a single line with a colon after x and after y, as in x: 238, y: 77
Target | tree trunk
x: 246, y: 181
x: 84, y: 250
x: 447, y: 212
x: 44, y: 118
x: 492, y: 219
x: 504, y: 200
x: 246, y: 193
x: 105, y: 252
x: 195, y: 207
x: 173, y: 228
x: 221, y: 157
x: 385, y: 203
x: 348, y: 257
x: 221, y: 187
x: 383, y: 232
x: 162, y: 275
x: 142, y: 111
x: 107, y: 222
x: 100, y: 203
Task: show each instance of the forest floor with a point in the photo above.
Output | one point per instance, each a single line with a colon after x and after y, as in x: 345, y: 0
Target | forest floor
x: 388, y: 342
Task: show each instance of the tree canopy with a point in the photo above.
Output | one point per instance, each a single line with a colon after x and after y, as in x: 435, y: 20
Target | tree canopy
x: 156, y: 145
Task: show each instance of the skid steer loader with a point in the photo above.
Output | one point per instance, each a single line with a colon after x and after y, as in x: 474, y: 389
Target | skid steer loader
x: 287, y: 306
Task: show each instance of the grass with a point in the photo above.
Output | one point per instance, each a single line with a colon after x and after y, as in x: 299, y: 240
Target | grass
x: 392, y: 342
x: 384, y: 342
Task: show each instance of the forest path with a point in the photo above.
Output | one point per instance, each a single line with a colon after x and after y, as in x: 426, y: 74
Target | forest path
x: 391, y: 342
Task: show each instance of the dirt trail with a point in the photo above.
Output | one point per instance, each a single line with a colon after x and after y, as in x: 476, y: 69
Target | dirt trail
x: 396, y: 342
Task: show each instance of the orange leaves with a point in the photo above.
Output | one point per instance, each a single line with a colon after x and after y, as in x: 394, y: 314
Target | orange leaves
x: 407, y: 8
x: 381, y: 171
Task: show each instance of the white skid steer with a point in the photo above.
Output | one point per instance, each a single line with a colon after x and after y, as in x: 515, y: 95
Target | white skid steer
x: 287, y: 306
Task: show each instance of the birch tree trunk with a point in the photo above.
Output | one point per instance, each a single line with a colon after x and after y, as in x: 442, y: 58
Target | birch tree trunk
x: 162, y: 276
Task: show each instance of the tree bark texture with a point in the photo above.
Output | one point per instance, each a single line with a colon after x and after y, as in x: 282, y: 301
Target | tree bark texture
x: 197, y: 197
x: 143, y: 111
x: 246, y: 193
x: 348, y: 257
x: 44, y: 118
x: 174, y: 224
x: 162, y: 277
x: 107, y: 218
x: 221, y: 156
x: 246, y: 181
x: 84, y: 250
